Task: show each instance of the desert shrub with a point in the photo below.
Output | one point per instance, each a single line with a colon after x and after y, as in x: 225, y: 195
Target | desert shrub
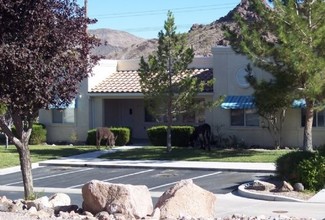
x: 123, y: 136
x: 180, y: 135
x: 38, y: 135
x: 311, y: 172
x: 287, y: 165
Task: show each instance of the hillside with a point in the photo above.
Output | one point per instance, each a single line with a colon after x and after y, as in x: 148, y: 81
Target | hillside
x: 122, y: 45
x: 113, y: 41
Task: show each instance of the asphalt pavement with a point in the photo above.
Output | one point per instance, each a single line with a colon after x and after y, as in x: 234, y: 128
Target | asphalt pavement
x: 239, y: 202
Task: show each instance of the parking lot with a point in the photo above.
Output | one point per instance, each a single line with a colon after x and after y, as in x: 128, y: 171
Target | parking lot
x: 50, y: 179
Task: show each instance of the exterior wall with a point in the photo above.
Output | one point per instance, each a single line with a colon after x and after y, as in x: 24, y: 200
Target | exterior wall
x: 63, y: 132
x: 226, y: 66
x: 101, y: 71
x: 198, y: 62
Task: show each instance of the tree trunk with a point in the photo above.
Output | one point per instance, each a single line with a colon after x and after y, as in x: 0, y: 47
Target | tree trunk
x: 26, y: 171
x: 7, y: 141
x: 169, y: 127
x: 308, y: 140
x: 21, y: 143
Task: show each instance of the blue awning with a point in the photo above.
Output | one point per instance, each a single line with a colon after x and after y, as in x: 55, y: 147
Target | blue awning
x: 238, y: 102
x: 299, y: 103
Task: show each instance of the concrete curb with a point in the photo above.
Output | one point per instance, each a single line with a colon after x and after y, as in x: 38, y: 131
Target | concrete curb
x: 253, y: 195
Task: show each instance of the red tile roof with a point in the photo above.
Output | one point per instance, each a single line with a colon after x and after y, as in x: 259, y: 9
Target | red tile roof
x: 128, y: 82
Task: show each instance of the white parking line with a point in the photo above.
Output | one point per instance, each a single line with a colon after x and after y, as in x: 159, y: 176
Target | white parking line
x: 194, y: 178
x: 55, y: 175
x: 43, y: 190
x: 118, y: 177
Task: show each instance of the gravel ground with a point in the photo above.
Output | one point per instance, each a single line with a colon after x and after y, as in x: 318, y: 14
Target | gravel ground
x: 26, y: 216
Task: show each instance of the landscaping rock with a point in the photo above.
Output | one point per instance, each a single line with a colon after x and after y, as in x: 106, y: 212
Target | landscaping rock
x: 284, y: 187
x: 59, y: 199
x: 5, y: 204
x: 186, y: 200
x: 131, y: 201
x: 261, y: 186
x: 39, y: 203
x: 299, y: 187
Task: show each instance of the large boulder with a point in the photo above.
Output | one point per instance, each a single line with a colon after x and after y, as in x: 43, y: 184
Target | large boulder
x: 284, y: 187
x: 187, y: 200
x: 129, y: 200
x: 39, y: 203
x: 59, y: 199
x: 261, y: 186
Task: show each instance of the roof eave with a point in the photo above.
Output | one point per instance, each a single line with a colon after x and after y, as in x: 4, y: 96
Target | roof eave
x: 133, y: 94
x: 116, y: 94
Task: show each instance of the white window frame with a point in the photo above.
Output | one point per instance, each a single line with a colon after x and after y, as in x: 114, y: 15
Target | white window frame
x: 245, y: 114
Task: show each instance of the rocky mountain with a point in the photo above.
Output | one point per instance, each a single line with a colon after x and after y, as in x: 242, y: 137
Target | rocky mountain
x: 114, y: 41
x: 122, y: 45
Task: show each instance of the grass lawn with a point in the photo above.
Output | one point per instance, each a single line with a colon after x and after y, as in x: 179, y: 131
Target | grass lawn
x: 9, y: 157
x: 189, y: 154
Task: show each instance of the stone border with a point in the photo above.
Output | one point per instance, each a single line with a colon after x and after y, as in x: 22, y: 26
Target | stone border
x: 249, y: 194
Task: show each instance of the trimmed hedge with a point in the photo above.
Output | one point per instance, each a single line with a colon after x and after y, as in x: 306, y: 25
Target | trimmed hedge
x: 123, y: 136
x: 287, y: 165
x: 38, y: 135
x: 312, y: 172
x: 180, y: 135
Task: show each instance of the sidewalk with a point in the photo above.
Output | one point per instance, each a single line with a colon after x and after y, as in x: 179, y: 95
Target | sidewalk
x: 229, y: 204
x: 91, y: 160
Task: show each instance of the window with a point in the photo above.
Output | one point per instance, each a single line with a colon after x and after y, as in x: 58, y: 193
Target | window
x: 318, y: 121
x: 244, y: 117
x: 148, y: 117
x: 63, y: 116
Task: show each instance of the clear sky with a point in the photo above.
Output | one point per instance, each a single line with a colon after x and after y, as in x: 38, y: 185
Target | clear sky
x: 145, y: 18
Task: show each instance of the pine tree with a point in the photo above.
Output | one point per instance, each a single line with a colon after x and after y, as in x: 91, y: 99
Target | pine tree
x: 166, y: 82
x: 286, y: 38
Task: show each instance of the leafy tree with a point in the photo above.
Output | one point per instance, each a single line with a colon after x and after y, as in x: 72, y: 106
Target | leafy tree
x: 44, y: 55
x: 6, y: 118
x: 166, y: 82
x: 286, y: 39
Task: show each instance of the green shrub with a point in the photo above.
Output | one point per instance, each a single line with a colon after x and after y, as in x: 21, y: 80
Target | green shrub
x: 321, y: 150
x: 38, y: 135
x: 287, y: 165
x: 311, y: 172
x: 122, y: 133
x: 180, y: 135
x: 91, y: 137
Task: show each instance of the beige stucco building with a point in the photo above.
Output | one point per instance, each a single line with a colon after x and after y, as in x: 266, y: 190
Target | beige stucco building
x: 112, y: 97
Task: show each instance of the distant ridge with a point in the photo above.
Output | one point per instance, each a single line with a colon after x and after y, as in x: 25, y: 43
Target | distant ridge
x: 113, y: 41
x: 122, y: 45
